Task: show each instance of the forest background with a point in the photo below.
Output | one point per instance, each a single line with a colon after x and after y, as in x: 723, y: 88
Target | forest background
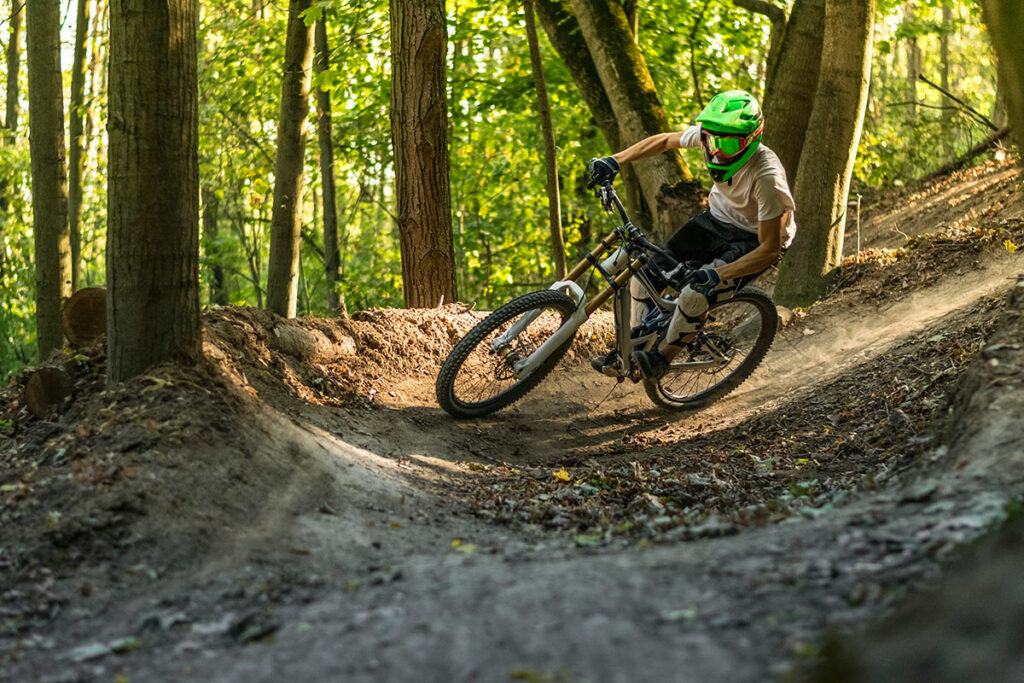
x: 498, y: 197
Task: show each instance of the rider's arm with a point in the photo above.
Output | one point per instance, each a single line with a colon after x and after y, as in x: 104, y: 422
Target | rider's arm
x: 765, y: 254
x: 649, y: 147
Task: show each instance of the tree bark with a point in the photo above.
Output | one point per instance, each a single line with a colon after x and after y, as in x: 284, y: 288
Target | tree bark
x: 419, y: 135
x: 1005, y: 22
x: 76, y: 127
x: 285, y: 222
x: 49, y: 173
x: 792, y: 83
x: 823, y: 181
x: 550, y: 160
x: 637, y: 109
x: 153, y: 187
x: 325, y: 136
x: 13, y: 109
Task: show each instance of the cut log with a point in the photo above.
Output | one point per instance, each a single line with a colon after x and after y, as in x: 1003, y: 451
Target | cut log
x: 312, y: 346
x: 84, y: 316
x: 46, y: 389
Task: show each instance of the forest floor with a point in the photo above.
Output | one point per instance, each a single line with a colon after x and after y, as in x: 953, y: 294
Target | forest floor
x: 299, y: 508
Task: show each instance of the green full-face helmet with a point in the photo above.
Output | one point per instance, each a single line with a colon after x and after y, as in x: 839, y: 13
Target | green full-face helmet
x: 730, y: 132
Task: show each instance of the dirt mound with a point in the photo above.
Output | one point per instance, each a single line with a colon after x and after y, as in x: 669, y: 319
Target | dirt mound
x: 184, y: 457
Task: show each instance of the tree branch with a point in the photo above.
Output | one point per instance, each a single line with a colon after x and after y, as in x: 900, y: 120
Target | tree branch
x: 978, y: 115
x: 774, y: 13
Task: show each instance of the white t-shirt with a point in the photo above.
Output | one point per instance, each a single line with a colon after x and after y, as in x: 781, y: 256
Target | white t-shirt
x: 757, y: 192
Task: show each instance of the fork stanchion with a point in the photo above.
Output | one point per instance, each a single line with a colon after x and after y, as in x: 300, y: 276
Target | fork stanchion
x: 592, y: 258
x: 620, y: 280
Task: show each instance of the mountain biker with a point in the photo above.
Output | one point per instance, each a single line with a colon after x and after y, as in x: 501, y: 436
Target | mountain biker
x: 748, y: 223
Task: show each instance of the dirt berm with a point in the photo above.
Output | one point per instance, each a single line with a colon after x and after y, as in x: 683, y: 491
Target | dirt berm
x: 969, y: 629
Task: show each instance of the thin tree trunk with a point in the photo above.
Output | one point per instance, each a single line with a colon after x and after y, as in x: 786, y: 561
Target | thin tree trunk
x: 325, y: 136
x: 913, y: 51
x: 13, y: 70
x: 550, y: 160
x: 211, y: 231
x: 285, y: 224
x: 637, y: 108
x: 792, y: 82
x: 419, y: 134
x: 153, y: 187
x: 564, y: 33
x: 823, y: 182
x: 77, y: 140
x: 97, y: 76
x: 49, y: 173
x: 8, y: 136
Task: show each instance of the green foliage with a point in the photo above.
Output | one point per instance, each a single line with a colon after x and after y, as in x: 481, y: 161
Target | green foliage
x: 499, y: 207
x: 911, y: 128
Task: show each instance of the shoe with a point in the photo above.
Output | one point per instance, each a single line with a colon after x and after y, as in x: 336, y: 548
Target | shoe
x: 606, y: 364
x: 652, y: 364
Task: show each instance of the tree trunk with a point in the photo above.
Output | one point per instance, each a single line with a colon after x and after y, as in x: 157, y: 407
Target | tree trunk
x: 49, y: 173
x: 419, y: 135
x: 1005, y: 22
x: 913, y: 63
x: 77, y: 146
x: 564, y: 33
x: 792, y: 83
x: 286, y: 220
x: 550, y: 160
x: 325, y: 136
x: 211, y: 231
x: 8, y: 136
x: 823, y: 182
x: 637, y: 108
x: 153, y: 187
x: 13, y: 70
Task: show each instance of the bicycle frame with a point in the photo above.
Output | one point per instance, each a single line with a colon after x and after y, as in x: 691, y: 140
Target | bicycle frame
x: 617, y: 269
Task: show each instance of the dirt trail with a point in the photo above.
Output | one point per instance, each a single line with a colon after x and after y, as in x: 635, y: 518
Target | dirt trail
x: 353, y: 531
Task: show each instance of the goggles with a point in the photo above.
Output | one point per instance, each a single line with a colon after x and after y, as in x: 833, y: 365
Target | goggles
x: 725, y: 146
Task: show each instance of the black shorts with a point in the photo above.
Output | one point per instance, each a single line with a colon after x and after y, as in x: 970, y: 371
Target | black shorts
x: 700, y: 241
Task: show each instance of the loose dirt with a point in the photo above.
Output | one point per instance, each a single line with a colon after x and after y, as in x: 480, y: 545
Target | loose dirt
x: 299, y: 508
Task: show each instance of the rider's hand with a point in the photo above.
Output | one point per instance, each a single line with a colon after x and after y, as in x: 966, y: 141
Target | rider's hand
x: 602, y: 169
x: 704, y: 281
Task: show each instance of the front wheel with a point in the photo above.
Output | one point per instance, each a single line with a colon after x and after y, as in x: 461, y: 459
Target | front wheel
x: 731, y: 344
x: 478, y: 377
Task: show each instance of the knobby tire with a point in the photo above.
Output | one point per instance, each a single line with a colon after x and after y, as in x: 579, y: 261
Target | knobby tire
x: 662, y: 391
x: 449, y: 379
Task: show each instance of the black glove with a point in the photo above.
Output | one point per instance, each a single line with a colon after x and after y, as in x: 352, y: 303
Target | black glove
x: 602, y: 169
x: 704, y: 281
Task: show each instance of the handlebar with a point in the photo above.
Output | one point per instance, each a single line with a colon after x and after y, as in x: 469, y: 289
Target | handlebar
x: 609, y: 201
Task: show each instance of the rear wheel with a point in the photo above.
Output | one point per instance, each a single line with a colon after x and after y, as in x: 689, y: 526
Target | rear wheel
x: 731, y: 344
x: 478, y: 377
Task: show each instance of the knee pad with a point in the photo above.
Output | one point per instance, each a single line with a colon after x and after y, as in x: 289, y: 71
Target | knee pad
x: 689, y: 307
x: 691, y: 303
x: 641, y: 303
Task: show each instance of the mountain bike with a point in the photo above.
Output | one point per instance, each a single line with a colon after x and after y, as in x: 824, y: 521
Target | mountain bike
x: 510, y: 351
